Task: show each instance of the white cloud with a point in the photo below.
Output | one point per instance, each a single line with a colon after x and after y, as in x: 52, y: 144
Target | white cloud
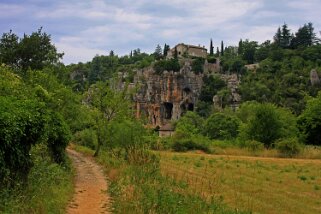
x: 11, y: 10
x: 74, y: 54
x: 83, y: 28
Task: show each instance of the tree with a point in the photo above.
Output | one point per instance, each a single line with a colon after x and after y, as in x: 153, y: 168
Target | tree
x: 36, y: 51
x: 240, y: 48
x: 166, y: 49
x: 211, y: 48
x: 309, y: 122
x: 217, y: 51
x: 190, y: 123
x: 278, y: 37
x: 158, y: 52
x: 267, y: 123
x: 175, y: 53
x: 9, y: 44
x: 111, y: 53
x: 285, y: 36
x: 222, y: 48
x: 221, y: 126
x: 33, y: 51
x: 304, y: 37
x: 109, y: 104
x: 249, y: 49
x: 211, y: 85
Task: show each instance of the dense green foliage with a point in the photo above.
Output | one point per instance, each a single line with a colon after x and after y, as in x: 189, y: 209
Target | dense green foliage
x: 221, y: 126
x: 266, y: 123
x: 22, y: 125
x: 33, y: 51
x: 167, y: 65
x: 309, y: 122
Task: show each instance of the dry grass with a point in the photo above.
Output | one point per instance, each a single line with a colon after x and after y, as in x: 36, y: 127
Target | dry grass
x: 258, y: 184
x: 309, y: 152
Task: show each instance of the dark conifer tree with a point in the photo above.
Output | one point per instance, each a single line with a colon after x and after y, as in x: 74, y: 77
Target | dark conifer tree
x: 211, y: 48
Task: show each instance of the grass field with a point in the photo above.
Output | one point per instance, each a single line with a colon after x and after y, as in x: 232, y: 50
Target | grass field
x: 261, y: 185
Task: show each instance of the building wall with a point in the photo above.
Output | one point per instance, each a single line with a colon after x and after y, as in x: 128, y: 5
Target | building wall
x: 166, y: 133
x: 189, y: 50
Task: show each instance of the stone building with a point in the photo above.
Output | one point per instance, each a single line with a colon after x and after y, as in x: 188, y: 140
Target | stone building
x: 184, y: 50
x: 167, y: 96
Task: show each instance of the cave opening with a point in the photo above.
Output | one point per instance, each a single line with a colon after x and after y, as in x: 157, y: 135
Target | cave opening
x: 168, y: 110
x: 190, y: 107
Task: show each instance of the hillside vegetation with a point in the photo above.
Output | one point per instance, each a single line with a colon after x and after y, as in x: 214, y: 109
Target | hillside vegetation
x: 45, y: 104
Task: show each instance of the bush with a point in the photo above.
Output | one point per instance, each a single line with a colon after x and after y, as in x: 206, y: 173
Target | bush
x: 58, y: 137
x: 86, y: 137
x: 221, y: 126
x: 194, y: 143
x: 168, y: 65
x: 288, y: 147
x: 309, y: 122
x: 198, y: 65
x: 22, y: 125
x: 190, y: 123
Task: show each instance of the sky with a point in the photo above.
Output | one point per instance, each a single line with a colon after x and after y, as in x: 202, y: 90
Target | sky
x: 85, y: 28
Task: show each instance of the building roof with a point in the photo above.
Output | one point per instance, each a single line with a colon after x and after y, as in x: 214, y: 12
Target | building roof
x: 167, y: 127
x: 192, y: 46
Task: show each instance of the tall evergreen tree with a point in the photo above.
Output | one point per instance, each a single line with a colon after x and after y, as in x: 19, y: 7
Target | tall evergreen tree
x: 222, y: 48
x: 305, y: 36
x: 175, y: 53
x: 278, y: 37
x: 240, y: 48
x: 211, y: 48
x: 165, y: 50
x: 217, y: 51
x: 158, y: 52
x: 285, y: 36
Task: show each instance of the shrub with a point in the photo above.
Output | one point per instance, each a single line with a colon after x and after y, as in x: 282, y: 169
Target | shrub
x: 168, y: 65
x: 22, y: 125
x: 190, y: 123
x: 221, y: 126
x: 86, y: 137
x: 288, y: 147
x: 193, y: 143
x: 198, y: 65
x: 309, y: 122
x: 58, y: 137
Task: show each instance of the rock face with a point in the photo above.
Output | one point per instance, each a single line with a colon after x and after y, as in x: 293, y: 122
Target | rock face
x: 167, y: 96
x: 314, y: 77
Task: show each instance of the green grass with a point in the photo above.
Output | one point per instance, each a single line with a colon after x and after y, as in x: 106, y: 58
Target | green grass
x: 260, y: 185
x: 50, y: 186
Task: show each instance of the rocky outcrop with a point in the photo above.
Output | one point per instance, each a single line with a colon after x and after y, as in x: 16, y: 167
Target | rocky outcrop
x: 167, y: 96
x: 314, y: 77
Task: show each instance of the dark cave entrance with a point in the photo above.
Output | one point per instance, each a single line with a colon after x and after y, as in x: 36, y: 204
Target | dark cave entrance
x: 168, y: 110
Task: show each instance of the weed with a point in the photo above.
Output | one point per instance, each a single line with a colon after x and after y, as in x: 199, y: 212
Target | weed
x: 198, y: 164
x: 317, y: 187
x: 302, y: 178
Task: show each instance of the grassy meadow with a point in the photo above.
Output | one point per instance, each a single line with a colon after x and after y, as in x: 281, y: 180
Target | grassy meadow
x: 255, y: 184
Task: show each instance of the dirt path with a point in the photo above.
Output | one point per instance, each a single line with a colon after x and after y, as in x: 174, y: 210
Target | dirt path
x: 90, y: 186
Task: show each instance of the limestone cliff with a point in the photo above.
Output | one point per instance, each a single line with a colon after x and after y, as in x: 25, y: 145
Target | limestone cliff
x: 167, y: 96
